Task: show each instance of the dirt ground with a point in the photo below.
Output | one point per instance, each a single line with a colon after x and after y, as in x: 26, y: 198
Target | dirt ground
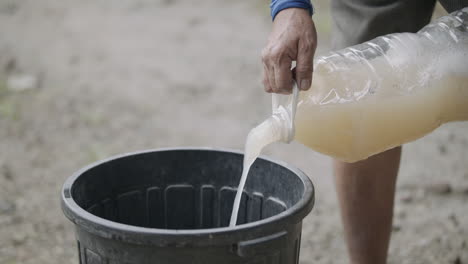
x: 119, y: 76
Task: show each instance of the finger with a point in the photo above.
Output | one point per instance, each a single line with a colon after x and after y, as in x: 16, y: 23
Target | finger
x: 271, y: 79
x: 266, y: 81
x: 283, y: 77
x: 304, y: 64
x: 267, y: 59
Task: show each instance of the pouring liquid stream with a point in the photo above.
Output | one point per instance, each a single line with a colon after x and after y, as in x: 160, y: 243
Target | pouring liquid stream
x: 258, y: 138
x: 278, y: 127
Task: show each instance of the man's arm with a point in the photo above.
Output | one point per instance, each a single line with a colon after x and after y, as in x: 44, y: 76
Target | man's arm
x: 293, y: 38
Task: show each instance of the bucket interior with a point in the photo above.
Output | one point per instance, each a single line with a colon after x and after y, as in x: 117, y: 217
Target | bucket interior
x: 184, y: 189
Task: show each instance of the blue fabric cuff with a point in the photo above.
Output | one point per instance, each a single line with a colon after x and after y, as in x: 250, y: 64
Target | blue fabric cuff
x: 277, y: 5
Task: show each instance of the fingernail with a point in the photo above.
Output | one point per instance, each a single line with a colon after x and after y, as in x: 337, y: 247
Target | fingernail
x: 305, y: 85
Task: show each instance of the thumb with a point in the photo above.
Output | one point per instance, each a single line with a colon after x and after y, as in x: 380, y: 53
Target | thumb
x: 304, y: 65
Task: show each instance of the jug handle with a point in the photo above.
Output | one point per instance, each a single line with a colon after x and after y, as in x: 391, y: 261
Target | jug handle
x: 291, y: 105
x: 276, y: 98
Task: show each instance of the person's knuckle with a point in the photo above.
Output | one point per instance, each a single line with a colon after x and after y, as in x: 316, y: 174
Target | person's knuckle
x: 266, y: 55
x: 270, y: 53
x: 277, y: 54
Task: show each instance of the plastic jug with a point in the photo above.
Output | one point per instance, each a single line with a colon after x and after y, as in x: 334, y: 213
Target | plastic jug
x: 385, y: 92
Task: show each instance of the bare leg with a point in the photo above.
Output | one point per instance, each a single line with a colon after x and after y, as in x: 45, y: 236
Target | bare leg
x: 366, y: 190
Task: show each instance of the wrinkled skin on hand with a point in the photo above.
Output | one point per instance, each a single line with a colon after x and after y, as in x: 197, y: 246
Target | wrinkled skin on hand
x: 293, y: 38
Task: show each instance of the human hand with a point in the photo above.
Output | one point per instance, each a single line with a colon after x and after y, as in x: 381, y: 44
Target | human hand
x: 293, y: 38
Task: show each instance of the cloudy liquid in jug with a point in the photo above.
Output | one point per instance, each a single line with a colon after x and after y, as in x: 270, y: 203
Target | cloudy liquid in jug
x: 356, y: 130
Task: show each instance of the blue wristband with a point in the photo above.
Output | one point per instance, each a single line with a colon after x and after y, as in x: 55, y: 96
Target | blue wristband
x: 277, y: 5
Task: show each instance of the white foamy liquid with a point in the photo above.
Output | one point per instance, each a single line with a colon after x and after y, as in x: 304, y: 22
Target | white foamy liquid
x: 258, y: 138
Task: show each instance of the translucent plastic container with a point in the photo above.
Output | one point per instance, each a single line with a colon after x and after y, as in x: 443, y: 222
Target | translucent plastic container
x: 385, y: 92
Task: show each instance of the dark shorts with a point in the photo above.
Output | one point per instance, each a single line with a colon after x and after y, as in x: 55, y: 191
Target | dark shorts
x: 357, y: 21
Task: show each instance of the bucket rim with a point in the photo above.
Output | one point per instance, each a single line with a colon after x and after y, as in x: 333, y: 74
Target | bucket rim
x: 146, y: 235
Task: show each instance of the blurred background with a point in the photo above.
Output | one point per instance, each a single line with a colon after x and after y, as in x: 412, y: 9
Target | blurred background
x: 83, y: 80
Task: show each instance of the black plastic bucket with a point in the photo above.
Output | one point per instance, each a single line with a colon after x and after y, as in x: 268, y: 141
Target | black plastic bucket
x: 172, y: 206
